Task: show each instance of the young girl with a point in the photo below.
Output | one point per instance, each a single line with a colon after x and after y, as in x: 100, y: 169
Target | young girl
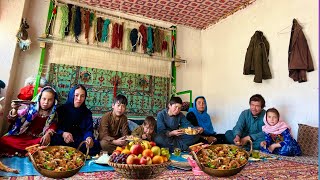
x: 146, y: 130
x: 278, y: 139
x: 32, y: 125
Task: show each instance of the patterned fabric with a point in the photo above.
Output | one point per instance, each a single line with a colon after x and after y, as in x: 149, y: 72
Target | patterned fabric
x: 308, y: 140
x: 271, y: 169
x: 146, y: 94
x: 198, y: 14
x: 25, y: 116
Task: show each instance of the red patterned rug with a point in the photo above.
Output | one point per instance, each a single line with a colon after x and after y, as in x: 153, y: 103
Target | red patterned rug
x: 272, y: 169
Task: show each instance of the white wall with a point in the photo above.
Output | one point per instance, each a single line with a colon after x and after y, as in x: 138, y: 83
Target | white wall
x: 223, y: 50
x: 189, y: 48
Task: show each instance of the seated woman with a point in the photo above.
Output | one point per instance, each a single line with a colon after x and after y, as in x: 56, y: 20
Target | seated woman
x: 33, y: 124
x: 75, y: 122
x: 198, y: 116
x: 169, y: 121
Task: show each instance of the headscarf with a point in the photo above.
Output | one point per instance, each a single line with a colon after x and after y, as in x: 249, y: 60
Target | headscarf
x: 203, y: 118
x: 71, y: 113
x: 276, y: 129
x: 27, y: 115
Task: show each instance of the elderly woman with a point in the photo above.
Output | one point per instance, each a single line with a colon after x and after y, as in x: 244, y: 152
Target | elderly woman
x: 32, y: 125
x: 198, y: 116
x: 75, y: 122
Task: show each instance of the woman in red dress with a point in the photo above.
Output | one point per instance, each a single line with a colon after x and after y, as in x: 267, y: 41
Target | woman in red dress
x: 34, y: 124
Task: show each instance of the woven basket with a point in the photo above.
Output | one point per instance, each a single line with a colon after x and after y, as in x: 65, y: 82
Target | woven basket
x: 133, y: 171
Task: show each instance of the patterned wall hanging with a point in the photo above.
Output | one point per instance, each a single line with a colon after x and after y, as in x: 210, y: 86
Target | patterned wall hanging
x: 146, y: 94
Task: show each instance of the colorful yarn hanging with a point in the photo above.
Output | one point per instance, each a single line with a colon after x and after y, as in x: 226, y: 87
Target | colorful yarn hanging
x: 105, y: 30
x: 157, y: 41
x: 92, y: 16
x: 99, y: 28
x: 150, y: 40
x: 64, y: 19
x: 133, y: 39
x: 87, y: 25
x: 77, y: 24
x: 128, y: 32
x: 143, y: 31
x: 67, y: 30
x: 73, y: 17
x: 117, y: 35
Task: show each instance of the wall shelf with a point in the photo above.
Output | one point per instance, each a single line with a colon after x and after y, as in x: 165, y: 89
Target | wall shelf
x: 107, y: 49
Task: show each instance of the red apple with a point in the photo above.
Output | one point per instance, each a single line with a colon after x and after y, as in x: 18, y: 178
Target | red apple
x: 143, y: 160
x: 133, y: 159
x: 152, y: 143
x: 136, y: 149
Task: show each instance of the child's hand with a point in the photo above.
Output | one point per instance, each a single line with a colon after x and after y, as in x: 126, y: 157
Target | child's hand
x: 272, y: 147
x: 120, y: 142
x: 144, y: 136
x: 176, y: 132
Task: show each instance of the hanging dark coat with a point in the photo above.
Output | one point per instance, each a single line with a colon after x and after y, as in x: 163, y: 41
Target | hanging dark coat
x: 299, y: 57
x: 256, y: 61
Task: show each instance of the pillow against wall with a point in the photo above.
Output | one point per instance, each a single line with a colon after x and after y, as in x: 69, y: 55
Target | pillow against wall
x: 308, y: 139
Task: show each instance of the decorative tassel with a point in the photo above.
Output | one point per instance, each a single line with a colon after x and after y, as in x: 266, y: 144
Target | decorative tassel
x: 105, y: 30
x: 128, y: 31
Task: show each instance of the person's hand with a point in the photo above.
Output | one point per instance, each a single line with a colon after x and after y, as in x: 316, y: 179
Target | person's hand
x: 263, y: 144
x: 244, y: 140
x: 120, y: 142
x: 15, y: 105
x: 200, y: 130
x: 177, y: 132
x: 144, y: 136
x: 272, y: 147
x: 67, y: 137
x: 45, y: 140
x: 236, y: 140
x: 89, y: 142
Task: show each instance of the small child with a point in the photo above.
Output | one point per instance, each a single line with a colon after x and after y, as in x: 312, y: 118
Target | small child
x: 146, y: 130
x: 278, y: 139
x: 113, y: 128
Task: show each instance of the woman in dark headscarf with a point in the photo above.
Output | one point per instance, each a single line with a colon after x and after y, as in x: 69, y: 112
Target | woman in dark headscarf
x: 75, y: 122
x: 33, y: 124
x: 198, y: 116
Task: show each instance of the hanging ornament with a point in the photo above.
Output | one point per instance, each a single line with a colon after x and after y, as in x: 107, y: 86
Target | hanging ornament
x: 22, y: 35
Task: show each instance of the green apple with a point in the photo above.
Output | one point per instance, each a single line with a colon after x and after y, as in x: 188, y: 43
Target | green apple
x: 156, y: 150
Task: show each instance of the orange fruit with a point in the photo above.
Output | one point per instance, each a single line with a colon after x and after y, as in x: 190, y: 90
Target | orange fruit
x: 157, y: 159
x: 126, y: 151
x: 119, y: 148
x: 147, y: 152
x: 165, y: 159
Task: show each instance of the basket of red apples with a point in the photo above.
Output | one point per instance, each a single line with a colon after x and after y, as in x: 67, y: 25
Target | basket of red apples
x: 140, y: 160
